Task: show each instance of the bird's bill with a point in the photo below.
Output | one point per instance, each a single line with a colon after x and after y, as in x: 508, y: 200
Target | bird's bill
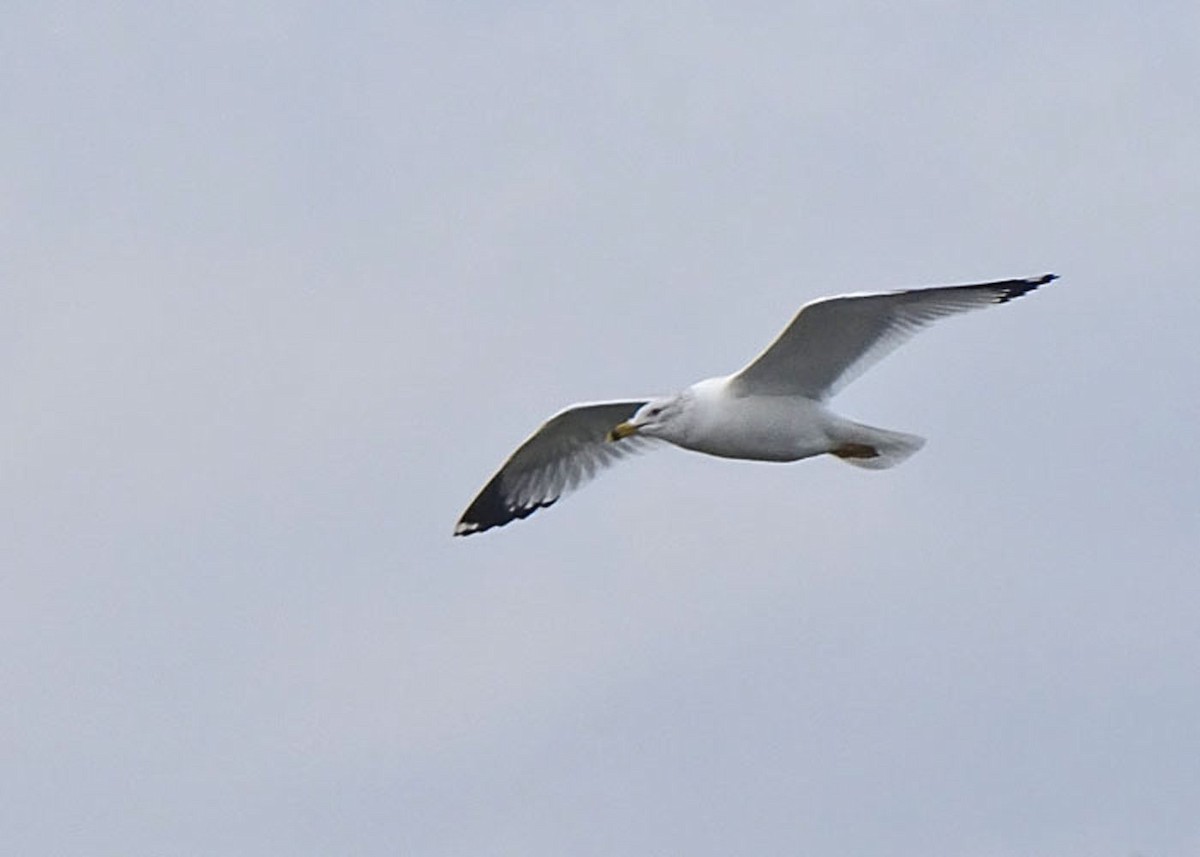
x: 622, y: 430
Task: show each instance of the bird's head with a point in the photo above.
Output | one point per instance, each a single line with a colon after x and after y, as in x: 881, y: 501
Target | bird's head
x: 652, y: 419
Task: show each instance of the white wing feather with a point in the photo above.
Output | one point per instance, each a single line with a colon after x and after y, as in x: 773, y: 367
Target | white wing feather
x: 568, y: 450
x: 832, y: 341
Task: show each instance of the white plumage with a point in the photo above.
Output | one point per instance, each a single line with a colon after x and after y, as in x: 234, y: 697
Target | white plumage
x: 772, y: 410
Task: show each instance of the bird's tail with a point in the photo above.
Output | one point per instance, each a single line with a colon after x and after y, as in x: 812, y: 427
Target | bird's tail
x: 874, y: 448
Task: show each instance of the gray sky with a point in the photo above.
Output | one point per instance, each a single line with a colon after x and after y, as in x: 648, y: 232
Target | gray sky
x: 283, y: 284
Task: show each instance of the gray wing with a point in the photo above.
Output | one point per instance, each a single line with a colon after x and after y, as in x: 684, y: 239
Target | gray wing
x: 564, y: 453
x: 832, y: 341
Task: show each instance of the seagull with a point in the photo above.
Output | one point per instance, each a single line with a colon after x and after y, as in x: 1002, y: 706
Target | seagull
x: 772, y: 410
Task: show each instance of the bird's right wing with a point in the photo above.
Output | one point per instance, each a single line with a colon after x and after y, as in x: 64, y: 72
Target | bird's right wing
x: 564, y: 453
x: 832, y: 341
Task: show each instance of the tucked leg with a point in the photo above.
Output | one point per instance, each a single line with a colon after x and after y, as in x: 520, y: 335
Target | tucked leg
x: 855, y: 450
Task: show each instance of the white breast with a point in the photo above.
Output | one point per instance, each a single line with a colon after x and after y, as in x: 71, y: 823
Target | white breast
x: 763, y: 428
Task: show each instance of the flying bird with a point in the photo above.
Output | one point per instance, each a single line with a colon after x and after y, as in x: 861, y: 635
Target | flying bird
x: 775, y: 409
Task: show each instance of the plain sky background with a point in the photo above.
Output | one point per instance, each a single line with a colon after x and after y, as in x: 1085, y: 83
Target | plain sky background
x: 283, y: 283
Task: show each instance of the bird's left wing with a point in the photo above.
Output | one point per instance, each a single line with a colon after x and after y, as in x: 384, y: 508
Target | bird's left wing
x: 832, y: 341
x: 564, y: 453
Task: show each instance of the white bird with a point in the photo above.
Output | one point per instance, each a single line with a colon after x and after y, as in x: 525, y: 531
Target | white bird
x: 772, y: 410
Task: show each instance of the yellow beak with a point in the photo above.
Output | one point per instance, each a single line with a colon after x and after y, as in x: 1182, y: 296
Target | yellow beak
x: 622, y: 430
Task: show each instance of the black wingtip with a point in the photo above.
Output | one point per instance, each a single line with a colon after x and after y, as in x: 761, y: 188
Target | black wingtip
x: 1014, y: 289
x: 489, y: 510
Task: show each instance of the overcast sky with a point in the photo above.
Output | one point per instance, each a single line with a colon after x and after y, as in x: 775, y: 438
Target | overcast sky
x: 283, y: 283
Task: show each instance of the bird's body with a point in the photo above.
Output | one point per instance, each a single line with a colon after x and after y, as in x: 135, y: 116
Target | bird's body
x: 761, y: 428
x: 717, y: 421
x: 774, y: 409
